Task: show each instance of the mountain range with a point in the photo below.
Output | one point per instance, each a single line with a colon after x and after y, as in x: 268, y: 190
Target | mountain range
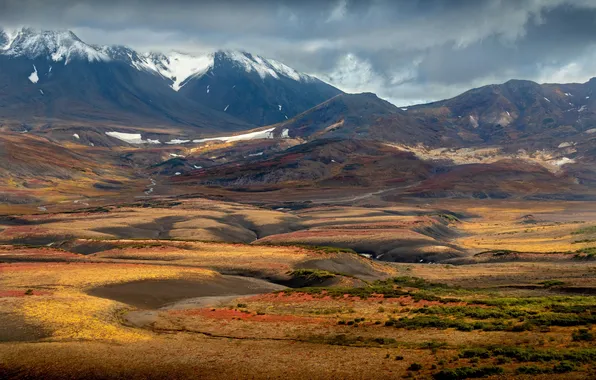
x: 236, y: 120
x: 53, y: 76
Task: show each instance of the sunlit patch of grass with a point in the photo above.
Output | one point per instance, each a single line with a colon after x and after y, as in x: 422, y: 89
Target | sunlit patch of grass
x: 68, y: 313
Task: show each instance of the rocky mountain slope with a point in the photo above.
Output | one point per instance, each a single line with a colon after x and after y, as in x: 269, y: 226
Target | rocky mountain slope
x: 50, y: 76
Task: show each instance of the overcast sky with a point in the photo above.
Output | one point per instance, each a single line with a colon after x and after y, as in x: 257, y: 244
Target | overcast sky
x: 406, y: 51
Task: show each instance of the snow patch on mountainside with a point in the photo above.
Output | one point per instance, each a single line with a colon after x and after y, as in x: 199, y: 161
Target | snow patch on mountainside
x: 177, y: 141
x: 265, y: 134
x: 177, y: 67
x: 34, y: 78
x: 131, y: 138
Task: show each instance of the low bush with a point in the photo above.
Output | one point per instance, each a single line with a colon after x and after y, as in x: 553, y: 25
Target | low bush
x: 582, y: 335
x: 312, y: 274
x: 551, y: 283
x: 522, y: 354
x: 467, y: 373
x: 415, y: 367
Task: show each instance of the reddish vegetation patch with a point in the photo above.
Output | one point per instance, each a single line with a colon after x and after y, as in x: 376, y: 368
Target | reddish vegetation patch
x: 234, y: 314
x: 283, y: 297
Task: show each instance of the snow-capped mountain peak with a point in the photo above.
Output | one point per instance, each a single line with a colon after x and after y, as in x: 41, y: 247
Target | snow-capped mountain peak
x: 181, y: 67
x: 58, y: 46
x: 177, y: 67
x: 262, y: 66
x: 64, y: 46
x: 54, y: 63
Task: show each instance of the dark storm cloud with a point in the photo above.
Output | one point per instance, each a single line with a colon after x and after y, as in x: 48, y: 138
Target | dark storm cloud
x: 406, y: 51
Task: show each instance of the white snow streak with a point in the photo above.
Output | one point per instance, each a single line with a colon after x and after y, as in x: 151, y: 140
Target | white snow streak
x: 177, y: 141
x: 265, y: 134
x: 131, y: 138
x: 33, y: 77
x: 177, y: 67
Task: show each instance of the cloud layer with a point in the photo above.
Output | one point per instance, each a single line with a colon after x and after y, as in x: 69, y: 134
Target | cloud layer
x: 405, y: 51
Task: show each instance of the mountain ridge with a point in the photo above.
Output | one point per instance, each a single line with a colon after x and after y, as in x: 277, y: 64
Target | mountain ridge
x: 272, y: 85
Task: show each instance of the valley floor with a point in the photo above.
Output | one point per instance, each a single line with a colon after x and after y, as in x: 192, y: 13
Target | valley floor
x: 189, y: 287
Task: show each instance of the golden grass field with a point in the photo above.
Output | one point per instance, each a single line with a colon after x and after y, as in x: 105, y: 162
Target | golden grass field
x: 217, y: 306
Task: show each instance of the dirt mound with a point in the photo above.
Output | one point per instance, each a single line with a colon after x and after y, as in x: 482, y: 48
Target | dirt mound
x: 158, y: 293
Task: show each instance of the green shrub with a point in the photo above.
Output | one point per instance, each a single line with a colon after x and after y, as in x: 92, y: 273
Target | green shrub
x: 415, y: 367
x: 467, y: 373
x: 564, y: 367
x: 532, y: 355
x: 475, y: 353
x: 503, y: 360
x: 531, y: 370
x: 312, y: 274
x: 582, y: 335
x: 551, y: 283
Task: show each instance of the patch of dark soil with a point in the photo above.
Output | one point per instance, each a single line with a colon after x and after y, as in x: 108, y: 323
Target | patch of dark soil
x: 417, y: 253
x: 233, y: 236
x: 153, y: 294
x: 158, y: 229
x: 254, y: 190
x: 44, y: 240
x: 13, y: 328
x: 291, y: 206
x: 107, y: 186
x: 17, y: 221
x: 87, y: 247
